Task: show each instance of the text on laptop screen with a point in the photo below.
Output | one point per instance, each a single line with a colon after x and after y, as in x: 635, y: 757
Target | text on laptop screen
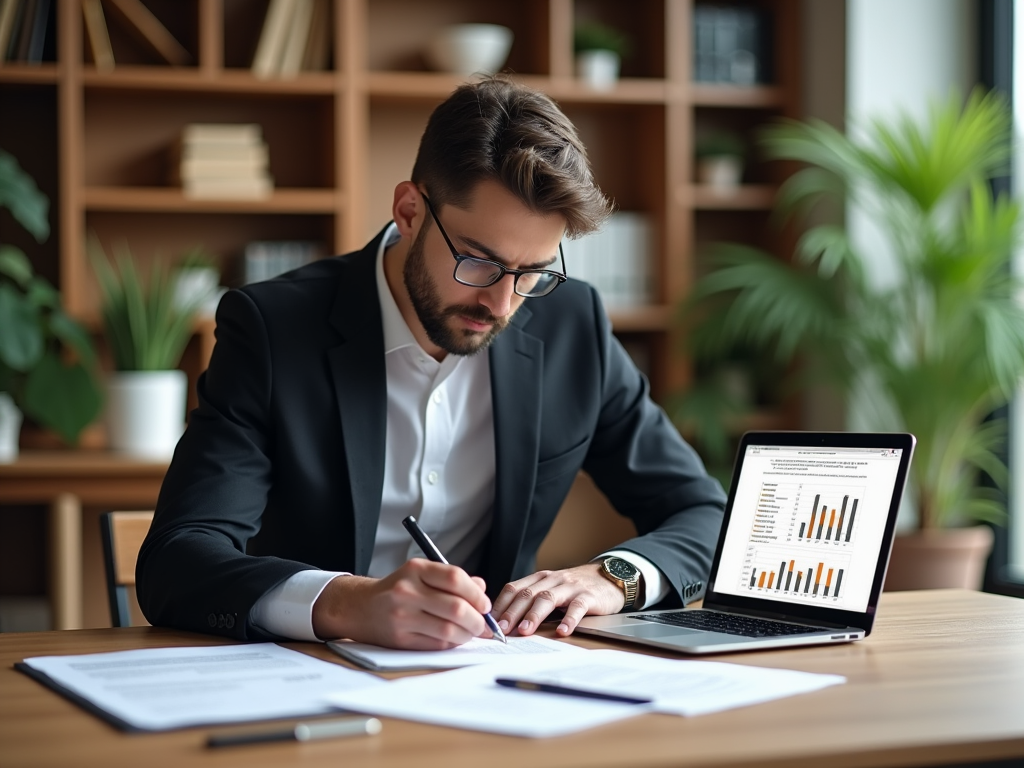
x: 807, y: 524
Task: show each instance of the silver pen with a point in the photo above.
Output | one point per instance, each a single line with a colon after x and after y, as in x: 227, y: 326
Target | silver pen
x: 433, y: 553
x: 324, y: 729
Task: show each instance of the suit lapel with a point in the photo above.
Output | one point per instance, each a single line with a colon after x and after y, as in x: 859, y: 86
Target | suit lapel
x: 360, y: 385
x: 516, y: 360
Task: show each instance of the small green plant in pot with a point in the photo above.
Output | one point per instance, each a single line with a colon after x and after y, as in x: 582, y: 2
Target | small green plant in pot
x: 147, y: 330
x: 599, y: 50
x: 47, y: 360
x: 936, y: 348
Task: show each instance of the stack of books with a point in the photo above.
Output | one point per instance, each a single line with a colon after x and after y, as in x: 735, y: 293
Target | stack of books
x: 731, y: 44
x: 221, y: 161
x: 264, y: 259
x: 616, y: 260
x: 296, y: 36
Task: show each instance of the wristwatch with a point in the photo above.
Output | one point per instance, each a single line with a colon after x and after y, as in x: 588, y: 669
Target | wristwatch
x: 625, y: 574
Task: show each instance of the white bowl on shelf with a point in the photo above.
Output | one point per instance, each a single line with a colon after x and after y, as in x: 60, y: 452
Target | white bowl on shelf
x: 466, y: 49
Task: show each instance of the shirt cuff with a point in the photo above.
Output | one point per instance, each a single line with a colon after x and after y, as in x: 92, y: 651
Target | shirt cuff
x: 287, y: 609
x: 655, y: 585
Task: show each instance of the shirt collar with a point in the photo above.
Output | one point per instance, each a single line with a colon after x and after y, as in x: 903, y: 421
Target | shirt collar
x: 396, y: 331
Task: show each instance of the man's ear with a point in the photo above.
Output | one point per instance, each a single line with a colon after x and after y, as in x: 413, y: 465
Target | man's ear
x: 408, y: 209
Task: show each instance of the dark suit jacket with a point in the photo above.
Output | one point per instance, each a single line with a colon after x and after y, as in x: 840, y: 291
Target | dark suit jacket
x: 282, y: 465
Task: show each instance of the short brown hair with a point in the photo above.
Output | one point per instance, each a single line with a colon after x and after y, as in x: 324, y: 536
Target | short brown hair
x: 501, y: 131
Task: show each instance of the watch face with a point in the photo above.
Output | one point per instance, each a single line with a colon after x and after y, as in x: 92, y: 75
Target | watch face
x: 620, y: 569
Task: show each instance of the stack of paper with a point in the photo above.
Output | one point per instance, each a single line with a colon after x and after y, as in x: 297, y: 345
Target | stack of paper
x: 221, y: 161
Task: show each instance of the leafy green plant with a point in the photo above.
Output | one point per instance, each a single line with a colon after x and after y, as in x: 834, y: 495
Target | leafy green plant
x: 595, y: 36
x: 47, y: 360
x: 937, y: 348
x: 719, y: 144
x: 146, y: 329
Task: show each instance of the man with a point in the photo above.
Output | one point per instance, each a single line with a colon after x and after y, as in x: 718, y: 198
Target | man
x: 438, y: 372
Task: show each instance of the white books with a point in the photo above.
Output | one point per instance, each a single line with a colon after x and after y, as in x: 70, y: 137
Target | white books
x: 272, y: 39
x: 221, y: 161
x: 222, y: 133
x: 616, y: 260
x: 264, y: 259
x: 295, y: 42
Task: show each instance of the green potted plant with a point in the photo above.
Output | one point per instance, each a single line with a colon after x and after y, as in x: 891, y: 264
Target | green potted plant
x: 599, y: 50
x: 720, y: 155
x: 147, y: 330
x: 47, y: 360
x: 937, y: 348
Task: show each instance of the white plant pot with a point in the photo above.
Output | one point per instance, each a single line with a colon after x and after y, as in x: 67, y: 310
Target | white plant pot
x: 722, y: 173
x: 10, y: 429
x: 146, y: 412
x: 598, y: 69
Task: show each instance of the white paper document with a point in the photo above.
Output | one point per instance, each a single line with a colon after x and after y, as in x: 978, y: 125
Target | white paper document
x: 470, y: 698
x: 163, y: 688
x: 476, y: 651
x: 681, y: 687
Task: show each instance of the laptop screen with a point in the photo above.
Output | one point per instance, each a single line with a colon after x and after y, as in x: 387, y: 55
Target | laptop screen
x: 807, y: 524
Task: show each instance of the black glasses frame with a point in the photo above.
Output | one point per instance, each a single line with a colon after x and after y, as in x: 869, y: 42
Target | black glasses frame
x: 502, y: 269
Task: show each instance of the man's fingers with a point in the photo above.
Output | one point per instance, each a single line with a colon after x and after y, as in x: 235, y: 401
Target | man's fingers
x: 454, y: 581
x: 575, y: 611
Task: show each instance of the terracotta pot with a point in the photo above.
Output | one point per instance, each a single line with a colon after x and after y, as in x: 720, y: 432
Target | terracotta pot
x: 935, y: 559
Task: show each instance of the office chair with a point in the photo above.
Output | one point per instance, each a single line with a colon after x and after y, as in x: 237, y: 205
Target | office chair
x: 122, y: 534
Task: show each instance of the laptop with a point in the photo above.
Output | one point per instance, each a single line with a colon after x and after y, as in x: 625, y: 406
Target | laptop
x: 803, y: 549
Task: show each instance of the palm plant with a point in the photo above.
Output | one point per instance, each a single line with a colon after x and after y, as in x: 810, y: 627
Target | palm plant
x: 936, y: 347
x: 146, y: 327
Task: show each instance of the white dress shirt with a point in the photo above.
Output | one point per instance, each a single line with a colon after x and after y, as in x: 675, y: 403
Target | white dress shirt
x: 439, y: 466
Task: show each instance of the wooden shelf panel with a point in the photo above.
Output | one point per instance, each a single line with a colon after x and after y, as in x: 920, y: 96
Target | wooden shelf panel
x: 748, y: 197
x: 430, y: 86
x: 642, y: 319
x: 203, y: 81
x: 29, y: 74
x: 172, y: 200
x: 706, y: 95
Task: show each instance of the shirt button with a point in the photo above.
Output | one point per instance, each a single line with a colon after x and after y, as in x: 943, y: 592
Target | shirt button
x: 437, y: 397
x: 432, y: 478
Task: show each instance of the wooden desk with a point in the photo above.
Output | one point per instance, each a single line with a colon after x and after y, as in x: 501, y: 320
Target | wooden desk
x: 937, y: 683
x: 66, y: 481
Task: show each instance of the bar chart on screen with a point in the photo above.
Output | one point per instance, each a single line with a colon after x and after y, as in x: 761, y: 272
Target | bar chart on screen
x: 805, y: 513
x: 781, y: 571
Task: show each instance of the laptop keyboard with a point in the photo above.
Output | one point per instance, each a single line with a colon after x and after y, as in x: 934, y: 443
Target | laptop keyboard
x: 728, y: 623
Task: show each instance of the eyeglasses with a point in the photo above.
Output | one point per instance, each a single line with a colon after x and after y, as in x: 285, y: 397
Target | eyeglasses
x: 480, y: 273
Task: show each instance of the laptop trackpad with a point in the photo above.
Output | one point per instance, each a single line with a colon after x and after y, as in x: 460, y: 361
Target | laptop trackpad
x: 654, y: 631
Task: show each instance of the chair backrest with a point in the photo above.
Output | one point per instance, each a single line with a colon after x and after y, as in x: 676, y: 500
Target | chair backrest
x: 122, y: 534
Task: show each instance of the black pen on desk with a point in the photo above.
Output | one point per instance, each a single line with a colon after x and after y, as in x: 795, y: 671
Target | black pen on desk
x: 433, y: 553
x: 529, y: 685
x: 326, y: 729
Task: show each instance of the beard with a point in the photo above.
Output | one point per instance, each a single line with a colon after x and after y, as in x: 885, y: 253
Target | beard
x: 434, y: 316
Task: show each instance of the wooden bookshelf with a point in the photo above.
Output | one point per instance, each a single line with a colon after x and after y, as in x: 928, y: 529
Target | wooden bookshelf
x: 341, y: 139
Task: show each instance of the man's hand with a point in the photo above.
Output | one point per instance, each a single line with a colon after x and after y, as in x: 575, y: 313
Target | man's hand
x: 422, y: 606
x: 582, y: 590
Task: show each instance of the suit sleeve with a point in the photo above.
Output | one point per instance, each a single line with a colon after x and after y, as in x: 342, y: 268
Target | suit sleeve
x: 651, y: 475
x: 192, y: 571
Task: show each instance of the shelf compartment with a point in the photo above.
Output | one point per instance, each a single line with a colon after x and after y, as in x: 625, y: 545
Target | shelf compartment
x: 172, y: 200
x: 393, y: 46
x: 133, y: 148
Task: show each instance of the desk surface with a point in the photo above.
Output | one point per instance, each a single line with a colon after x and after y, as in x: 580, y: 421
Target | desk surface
x: 938, y: 682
